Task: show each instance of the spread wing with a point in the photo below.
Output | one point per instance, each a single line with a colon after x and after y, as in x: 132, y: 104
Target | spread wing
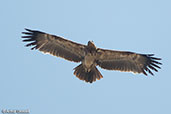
x: 54, y: 45
x: 127, y: 61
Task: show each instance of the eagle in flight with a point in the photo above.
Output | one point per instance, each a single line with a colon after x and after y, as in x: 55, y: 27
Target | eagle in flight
x: 90, y: 56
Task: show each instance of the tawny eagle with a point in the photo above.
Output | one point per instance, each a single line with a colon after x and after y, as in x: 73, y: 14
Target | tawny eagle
x: 90, y: 56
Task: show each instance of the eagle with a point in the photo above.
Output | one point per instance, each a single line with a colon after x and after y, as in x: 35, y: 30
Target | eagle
x: 90, y: 56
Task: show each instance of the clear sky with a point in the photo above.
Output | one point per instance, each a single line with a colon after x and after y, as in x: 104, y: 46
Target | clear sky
x: 46, y: 85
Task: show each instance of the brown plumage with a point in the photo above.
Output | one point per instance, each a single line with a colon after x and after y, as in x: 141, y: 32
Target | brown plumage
x: 90, y: 56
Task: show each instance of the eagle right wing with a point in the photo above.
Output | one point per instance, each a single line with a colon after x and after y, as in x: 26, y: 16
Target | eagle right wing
x: 54, y: 45
x: 127, y: 61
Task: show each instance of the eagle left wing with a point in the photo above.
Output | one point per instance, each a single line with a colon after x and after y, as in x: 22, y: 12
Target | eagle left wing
x: 127, y: 61
x: 54, y: 45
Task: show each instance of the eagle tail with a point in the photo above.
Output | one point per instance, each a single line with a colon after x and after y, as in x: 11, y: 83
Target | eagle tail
x: 84, y: 75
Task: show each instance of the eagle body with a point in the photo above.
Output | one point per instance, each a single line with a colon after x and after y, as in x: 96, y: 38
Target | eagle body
x: 90, y: 56
x: 88, y: 61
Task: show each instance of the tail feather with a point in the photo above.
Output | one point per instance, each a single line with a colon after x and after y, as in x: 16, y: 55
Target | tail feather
x: 84, y: 75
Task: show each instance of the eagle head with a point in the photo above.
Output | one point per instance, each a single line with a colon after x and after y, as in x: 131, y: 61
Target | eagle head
x: 91, y: 44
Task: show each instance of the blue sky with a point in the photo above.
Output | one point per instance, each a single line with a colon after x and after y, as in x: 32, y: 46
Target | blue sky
x: 46, y: 84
